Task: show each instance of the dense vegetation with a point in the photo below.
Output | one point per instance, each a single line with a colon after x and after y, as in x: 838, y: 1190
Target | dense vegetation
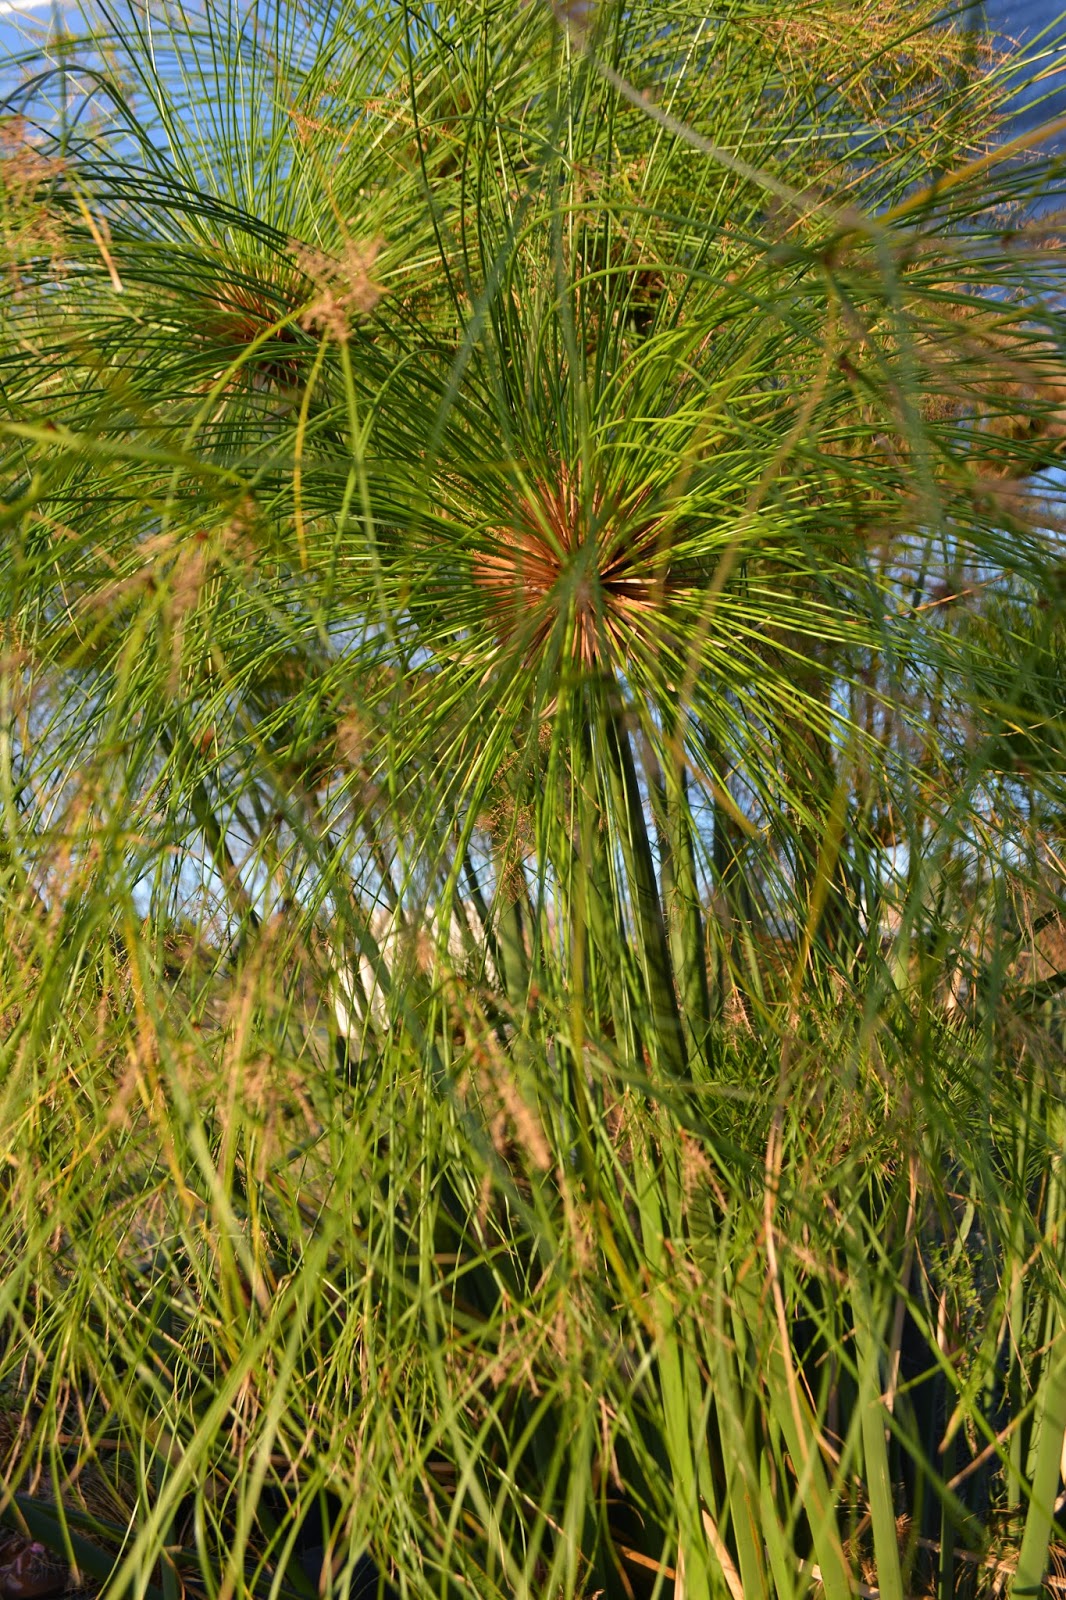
x: 532, y: 804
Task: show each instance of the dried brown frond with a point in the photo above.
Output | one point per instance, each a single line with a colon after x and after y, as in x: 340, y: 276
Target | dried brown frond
x: 1011, y: 382
x: 344, y: 286
x: 178, y: 569
x: 306, y: 126
x: 24, y: 168
x: 30, y: 228
x: 354, y: 739
x: 880, y: 60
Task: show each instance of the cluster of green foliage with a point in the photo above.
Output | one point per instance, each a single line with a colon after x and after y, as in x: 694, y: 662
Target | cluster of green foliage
x: 547, y: 515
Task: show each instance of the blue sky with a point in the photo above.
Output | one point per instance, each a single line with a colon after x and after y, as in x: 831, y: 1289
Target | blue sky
x: 1021, y: 19
x: 1024, y: 20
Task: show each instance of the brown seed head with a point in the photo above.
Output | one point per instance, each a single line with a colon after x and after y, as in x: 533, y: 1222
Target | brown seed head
x: 605, y: 564
x: 344, y: 287
x: 241, y: 311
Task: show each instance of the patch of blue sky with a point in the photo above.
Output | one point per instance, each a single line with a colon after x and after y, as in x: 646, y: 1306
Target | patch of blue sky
x: 1038, y: 27
x: 26, y: 27
x: 207, y: 86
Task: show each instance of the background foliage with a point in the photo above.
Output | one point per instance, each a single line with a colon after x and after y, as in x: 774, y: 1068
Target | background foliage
x: 531, y: 753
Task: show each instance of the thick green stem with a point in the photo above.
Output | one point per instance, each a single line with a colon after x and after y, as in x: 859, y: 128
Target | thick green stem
x: 1049, y: 1422
x: 688, y: 948
x: 215, y: 838
x: 647, y: 905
